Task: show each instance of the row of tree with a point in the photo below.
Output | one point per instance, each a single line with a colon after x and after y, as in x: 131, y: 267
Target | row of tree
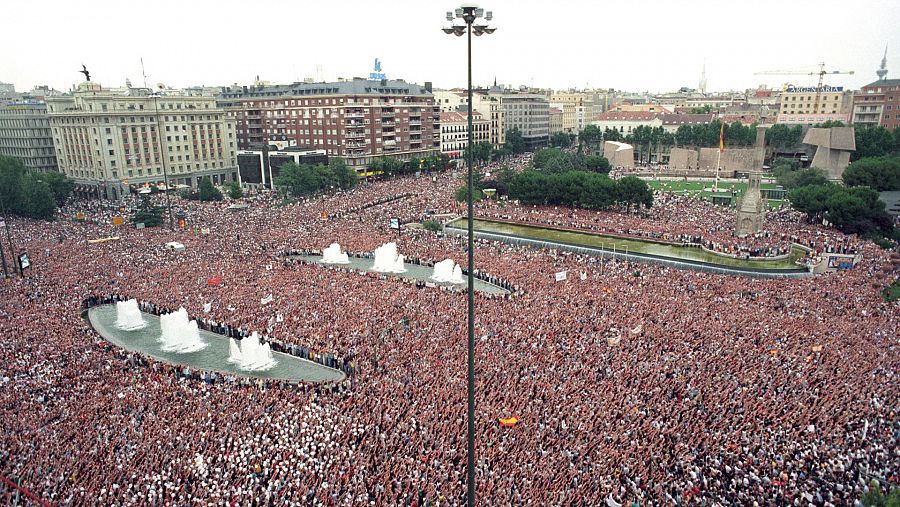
x: 579, y: 188
x: 853, y: 210
x: 554, y: 160
x: 388, y: 166
x: 878, y: 173
x: 305, y: 179
x: 32, y: 194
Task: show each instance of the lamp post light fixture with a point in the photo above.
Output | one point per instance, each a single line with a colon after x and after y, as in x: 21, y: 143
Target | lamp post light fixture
x: 162, y: 154
x: 474, y: 21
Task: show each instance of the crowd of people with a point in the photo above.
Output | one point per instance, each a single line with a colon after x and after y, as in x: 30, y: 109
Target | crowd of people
x: 630, y: 383
x: 685, y: 220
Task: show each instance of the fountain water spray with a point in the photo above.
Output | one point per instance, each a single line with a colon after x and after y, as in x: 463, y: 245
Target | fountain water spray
x: 333, y: 255
x: 128, y: 316
x: 250, y: 355
x: 179, y: 333
x: 447, y: 271
x: 387, y: 260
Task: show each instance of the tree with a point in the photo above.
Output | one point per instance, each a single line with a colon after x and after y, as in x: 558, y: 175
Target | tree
x: 876, y: 498
x: 591, y: 137
x: 37, y: 198
x: 432, y: 225
x: 298, y: 180
x: 481, y: 152
x: 561, y: 140
x: 462, y: 194
x: 207, y: 191
x: 879, y: 173
x: 234, y: 190
x: 11, y: 173
x: 702, y: 110
x: 874, y: 141
x: 59, y: 184
x: 634, y: 190
x: 811, y: 200
x: 515, y: 143
x: 611, y: 134
x: 147, y: 214
x: 597, y: 164
x: 801, y: 178
x: 344, y: 176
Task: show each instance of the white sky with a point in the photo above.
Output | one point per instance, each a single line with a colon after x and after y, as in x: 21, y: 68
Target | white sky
x: 635, y: 45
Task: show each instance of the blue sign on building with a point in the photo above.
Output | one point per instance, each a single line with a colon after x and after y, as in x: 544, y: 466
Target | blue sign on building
x: 377, y: 75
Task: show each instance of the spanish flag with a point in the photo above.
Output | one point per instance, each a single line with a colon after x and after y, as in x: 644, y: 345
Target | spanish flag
x: 722, y: 138
x: 509, y: 422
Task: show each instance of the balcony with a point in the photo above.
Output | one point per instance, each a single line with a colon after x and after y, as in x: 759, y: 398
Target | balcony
x: 355, y: 135
x: 415, y: 123
x: 354, y: 125
x: 388, y: 123
x: 355, y: 114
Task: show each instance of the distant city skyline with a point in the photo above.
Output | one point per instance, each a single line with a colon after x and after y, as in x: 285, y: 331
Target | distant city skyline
x: 637, y: 45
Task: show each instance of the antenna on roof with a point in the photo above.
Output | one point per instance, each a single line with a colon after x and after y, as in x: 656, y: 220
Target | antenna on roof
x: 143, y: 72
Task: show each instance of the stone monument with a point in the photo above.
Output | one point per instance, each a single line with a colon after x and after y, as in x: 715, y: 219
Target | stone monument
x: 618, y: 154
x: 833, y: 147
x: 751, y: 208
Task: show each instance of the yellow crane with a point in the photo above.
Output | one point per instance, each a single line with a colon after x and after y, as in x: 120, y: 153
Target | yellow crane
x: 821, y: 72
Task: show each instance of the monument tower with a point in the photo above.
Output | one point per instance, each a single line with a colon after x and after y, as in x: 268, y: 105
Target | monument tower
x: 751, y: 208
x: 882, y: 72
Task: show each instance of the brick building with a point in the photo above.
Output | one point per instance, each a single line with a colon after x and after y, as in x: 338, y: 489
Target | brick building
x: 357, y: 120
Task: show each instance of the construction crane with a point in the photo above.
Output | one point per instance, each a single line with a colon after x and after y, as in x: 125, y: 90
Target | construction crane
x: 821, y: 72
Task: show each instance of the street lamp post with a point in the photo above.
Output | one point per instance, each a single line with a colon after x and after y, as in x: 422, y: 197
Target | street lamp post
x: 470, y: 14
x: 162, y: 155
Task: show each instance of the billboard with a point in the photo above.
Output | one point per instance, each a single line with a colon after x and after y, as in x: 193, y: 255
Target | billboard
x: 24, y: 261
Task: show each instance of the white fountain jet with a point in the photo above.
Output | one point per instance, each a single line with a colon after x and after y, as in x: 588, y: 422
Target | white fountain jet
x: 179, y: 333
x: 250, y: 355
x: 333, y: 255
x: 128, y: 316
x: 447, y: 271
x: 387, y: 260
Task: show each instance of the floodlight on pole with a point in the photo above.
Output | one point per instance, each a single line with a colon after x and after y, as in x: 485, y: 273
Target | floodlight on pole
x: 469, y: 13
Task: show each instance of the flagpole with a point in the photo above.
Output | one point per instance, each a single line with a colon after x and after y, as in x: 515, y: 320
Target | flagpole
x: 718, y: 159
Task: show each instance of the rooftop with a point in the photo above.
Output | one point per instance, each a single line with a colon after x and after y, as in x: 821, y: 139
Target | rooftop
x: 358, y: 86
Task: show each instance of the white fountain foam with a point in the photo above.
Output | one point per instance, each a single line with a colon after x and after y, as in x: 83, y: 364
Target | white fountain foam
x: 251, y: 355
x: 387, y: 260
x: 179, y: 333
x: 447, y: 271
x: 457, y: 275
x: 128, y: 316
x: 333, y: 255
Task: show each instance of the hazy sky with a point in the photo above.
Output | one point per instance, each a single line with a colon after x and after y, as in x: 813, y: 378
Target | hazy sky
x: 636, y: 45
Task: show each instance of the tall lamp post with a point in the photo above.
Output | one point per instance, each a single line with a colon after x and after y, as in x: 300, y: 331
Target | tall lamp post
x: 474, y: 20
x: 162, y: 155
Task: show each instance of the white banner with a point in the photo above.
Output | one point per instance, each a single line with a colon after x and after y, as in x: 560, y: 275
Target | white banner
x: 266, y: 300
x: 207, y: 307
x: 584, y: 276
x: 279, y: 318
x: 561, y: 276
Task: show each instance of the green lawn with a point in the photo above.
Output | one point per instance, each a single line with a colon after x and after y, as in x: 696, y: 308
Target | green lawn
x: 695, y: 188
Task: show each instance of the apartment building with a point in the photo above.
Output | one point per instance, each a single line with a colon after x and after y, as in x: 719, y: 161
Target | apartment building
x: 878, y: 103
x: 25, y: 134
x: 811, y: 105
x: 528, y: 112
x: 115, y: 138
x: 358, y: 120
x: 455, y: 129
x: 578, y: 110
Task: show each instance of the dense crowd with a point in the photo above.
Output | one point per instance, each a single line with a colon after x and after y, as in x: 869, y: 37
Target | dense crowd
x: 631, y: 383
x: 685, y: 220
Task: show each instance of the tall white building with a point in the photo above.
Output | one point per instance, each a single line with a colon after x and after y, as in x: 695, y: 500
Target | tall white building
x: 578, y: 110
x: 528, y: 112
x: 454, y: 132
x: 115, y: 138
